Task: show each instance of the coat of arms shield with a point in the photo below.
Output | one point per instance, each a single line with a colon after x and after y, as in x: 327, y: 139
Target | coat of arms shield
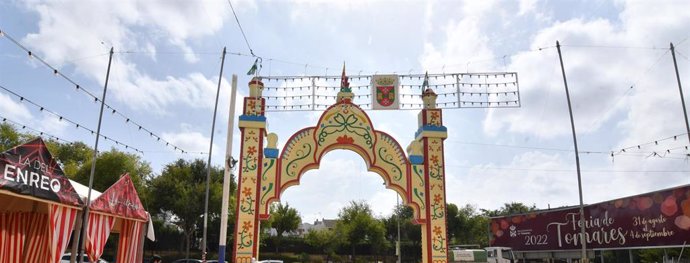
x: 385, y: 92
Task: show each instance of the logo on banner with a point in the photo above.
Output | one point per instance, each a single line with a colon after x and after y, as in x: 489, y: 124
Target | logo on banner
x: 385, y: 89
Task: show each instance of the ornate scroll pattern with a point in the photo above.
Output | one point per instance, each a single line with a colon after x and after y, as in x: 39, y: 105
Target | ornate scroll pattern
x: 296, y: 155
x: 245, y: 236
x: 250, y: 160
x: 266, y: 184
x: 434, y: 153
x: 418, y: 191
x: 300, y: 154
x: 393, y: 158
x: 438, y: 241
x: 267, y: 167
x: 349, y: 123
x: 250, y: 176
x: 437, y: 207
x: 435, y: 168
x: 387, y: 158
x: 432, y: 117
x: 247, y: 203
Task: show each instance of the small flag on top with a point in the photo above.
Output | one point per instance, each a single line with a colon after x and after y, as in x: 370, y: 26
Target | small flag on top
x: 344, y: 83
x: 425, y: 84
x: 254, y: 67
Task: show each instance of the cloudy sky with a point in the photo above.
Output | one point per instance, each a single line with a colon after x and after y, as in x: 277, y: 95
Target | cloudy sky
x: 167, y: 59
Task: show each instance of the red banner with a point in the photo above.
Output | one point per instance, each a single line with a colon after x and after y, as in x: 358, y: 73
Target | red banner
x: 121, y: 199
x: 29, y: 169
x: 659, y: 218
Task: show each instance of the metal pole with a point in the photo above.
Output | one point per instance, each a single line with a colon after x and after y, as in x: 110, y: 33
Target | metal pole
x: 583, y: 239
x: 210, y: 152
x: 680, y: 88
x: 75, y: 245
x: 85, y: 225
x: 228, y: 170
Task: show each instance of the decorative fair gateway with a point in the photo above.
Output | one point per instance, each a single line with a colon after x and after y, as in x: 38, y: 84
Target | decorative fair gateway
x: 264, y: 173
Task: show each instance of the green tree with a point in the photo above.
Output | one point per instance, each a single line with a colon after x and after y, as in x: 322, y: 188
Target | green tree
x: 284, y: 219
x: 357, y: 224
x: 10, y: 137
x: 325, y: 240
x: 653, y: 255
x: 410, y: 234
x: 466, y: 225
x: 110, y: 166
x: 179, y: 192
x: 72, y: 156
x: 509, y: 209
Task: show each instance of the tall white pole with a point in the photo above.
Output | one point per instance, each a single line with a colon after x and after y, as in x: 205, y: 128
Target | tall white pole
x: 228, y: 170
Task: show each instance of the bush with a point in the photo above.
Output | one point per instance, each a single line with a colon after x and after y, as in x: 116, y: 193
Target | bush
x: 304, y: 257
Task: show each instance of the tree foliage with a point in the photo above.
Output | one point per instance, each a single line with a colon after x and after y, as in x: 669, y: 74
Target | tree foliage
x: 75, y: 155
x: 284, y: 219
x: 358, y: 226
x: 324, y: 240
x: 410, y: 234
x: 467, y: 226
x: 509, y: 209
x: 110, y: 166
x: 180, y: 191
x: 10, y: 137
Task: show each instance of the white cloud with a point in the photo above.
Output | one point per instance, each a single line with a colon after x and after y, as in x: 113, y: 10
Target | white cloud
x: 13, y: 110
x: 533, y: 175
x: 190, y: 141
x: 527, y: 6
x: 128, y: 26
x: 598, y: 78
x: 456, y: 47
x: 51, y: 124
x: 341, y: 178
x: 382, y: 203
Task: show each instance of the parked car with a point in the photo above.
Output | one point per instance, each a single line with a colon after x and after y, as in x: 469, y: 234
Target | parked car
x: 270, y: 261
x: 66, y: 257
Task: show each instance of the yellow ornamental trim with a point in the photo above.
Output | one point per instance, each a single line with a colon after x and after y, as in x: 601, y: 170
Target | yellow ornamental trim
x: 385, y: 81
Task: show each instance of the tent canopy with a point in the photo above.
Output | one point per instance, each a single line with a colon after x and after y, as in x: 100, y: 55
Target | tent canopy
x: 30, y: 170
x: 121, y: 199
x: 83, y: 191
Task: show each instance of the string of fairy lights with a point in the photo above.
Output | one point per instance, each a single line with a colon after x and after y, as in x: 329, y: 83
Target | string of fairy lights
x: 318, y: 89
x: 33, y: 130
x: 78, y: 87
x: 646, y: 150
x: 661, y: 153
x: 453, y: 90
x: 63, y: 118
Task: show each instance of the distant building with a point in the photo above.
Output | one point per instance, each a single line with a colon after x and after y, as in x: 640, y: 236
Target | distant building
x: 304, y: 228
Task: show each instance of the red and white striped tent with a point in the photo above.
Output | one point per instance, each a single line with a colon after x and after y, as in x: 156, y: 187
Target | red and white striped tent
x: 38, y: 205
x: 118, y: 209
